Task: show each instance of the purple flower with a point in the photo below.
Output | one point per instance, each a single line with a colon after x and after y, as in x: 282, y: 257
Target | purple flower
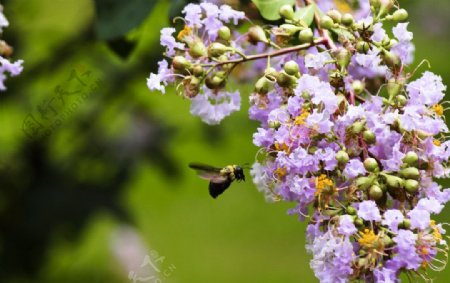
x: 332, y: 258
x: 227, y: 14
x: 193, y: 15
x: 317, y: 61
x: 370, y: 62
x: 419, y: 218
x: 428, y: 89
x: 392, y: 218
x: 168, y: 41
x: 264, y: 137
x: 154, y: 82
x: 13, y: 69
x: 328, y: 156
x: 378, y: 32
x: 346, y: 226
x: 212, y: 107
x: 295, y: 105
x: 320, y: 92
x: 3, y: 21
x: 211, y: 22
x: 319, y: 122
x: 406, y: 251
x: 395, y: 160
x: 431, y: 205
x: 369, y: 211
x: 401, y: 33
x: 354, y: 168
x: 385, y: 275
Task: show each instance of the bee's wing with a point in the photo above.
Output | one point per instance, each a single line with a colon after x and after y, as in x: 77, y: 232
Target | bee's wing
x: 215, y: 189
x: 208, y: 172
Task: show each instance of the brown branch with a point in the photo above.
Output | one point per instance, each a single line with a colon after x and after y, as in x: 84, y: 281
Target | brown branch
x: 276, y: 53
x: 323, y: 33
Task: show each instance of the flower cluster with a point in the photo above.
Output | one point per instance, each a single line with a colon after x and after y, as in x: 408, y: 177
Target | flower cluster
x: 6, y: 66
x: 204, y: 40
x: 345, y: 132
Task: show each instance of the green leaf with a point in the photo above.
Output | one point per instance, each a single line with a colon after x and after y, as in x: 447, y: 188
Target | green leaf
x: 115, y: 18
x: 269, y: 8
x: 306, y: 14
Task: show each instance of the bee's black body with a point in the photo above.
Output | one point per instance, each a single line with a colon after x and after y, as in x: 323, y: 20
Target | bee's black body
x: 219, y: 178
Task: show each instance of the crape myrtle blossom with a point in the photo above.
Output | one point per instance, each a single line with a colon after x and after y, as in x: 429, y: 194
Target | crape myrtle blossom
x: 344, y: 132
x: 7, y: 66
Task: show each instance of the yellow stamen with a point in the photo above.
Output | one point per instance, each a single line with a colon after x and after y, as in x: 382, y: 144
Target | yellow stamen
x: 280, y: 172
x: 438, y: 109
x: 184, y: 32
x: 300, y: 119
x: 368, y: 238
x: 343, y: 6
x: 323, y: 182
x: 437, y: 236
x: 437, y: 142
x: 282, y: 147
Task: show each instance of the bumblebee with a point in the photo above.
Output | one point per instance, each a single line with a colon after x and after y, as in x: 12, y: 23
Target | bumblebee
x: 219, y: 178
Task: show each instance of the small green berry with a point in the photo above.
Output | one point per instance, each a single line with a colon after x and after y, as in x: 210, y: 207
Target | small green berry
x: 306, y: 35
x: 287, y: 12
x: 326, y: 22
x: 400, y: 15
x: 347, y: 19
x: 371, y: 165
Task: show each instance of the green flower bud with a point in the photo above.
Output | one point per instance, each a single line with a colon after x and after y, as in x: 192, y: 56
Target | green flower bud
x: 411, y: 158
x: 357, y: 127
x: 289, y: 29
x: 216, y: 49
x: 306, y: 35
x: 342, y: 157
x: 369, y: 137
x: 401, y: 100
x: 347, y: 19
x: 406, y: 224
x: 387, y: 241
x: 342, y: 57
x: 224, y: 33
x: 392, y: 42
x: 400, y: 15
x: 358, y: 86
x: 257, y: 34
x: 274, y: 124
x: 285, y: 80
x: 271, y: 74
x: 291, y: 68
x: 362, y: 46
x: 287, y: 12
x: 335, y: 15
x: 371, y: 165
x: 364, y: 183
x: 375, y: 192
x: 326, y: 22
x: 262, y: 85
x: 215, y: 81
x: 197, y: 48
x: 198, y: 71
x: 351, y: 210
x: 394, y: 182
x: 181, y: 64
x: 386, y: 41
x: 411, y: 186
x: 410, y: 173
x: 375, y: 3
x: 394, y: 87
x: 391, y: 59
x: 359, y: 222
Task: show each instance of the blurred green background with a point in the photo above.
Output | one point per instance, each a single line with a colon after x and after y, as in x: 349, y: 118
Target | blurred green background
x: 108, y: 184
